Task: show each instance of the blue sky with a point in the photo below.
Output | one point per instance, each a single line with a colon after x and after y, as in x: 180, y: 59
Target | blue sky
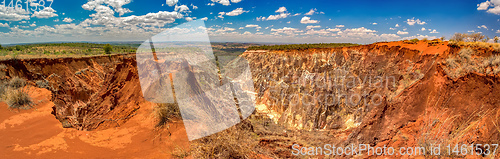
x: 282, y: 21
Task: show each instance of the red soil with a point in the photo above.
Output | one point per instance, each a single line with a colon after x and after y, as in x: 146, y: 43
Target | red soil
x: 35, y: 133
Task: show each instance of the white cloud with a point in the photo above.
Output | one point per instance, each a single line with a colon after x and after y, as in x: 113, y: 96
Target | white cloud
x: 470, y: 31
x: 374, y: 23
x: 402, y: 32
x: 339, y: 26
x: 13, y: 15
x: 392, y: 28
x: 333, y: 30
x: 210, y: 4
x: 498, y: 31
x: 45, y: 13
x: 418, y: 36
x: 205, y: 18
x: 483, y: 6
x: 253, y: 26
x: 68, y: 20
x: 116, y: 4
x: 313, y: 26
x: 4, y: 25
x: 389, y: 36
x: 236, y: 12
x: 235, y: 1
x: 482, y: 26
x: 194, y: 7
x: 492, y: 6
x: 172, y: 2
x: 286, y: 30
x: 434, y: 31
x: 412, y: 21
x: 397, y: 25
x: 319, y: 32
x: 360, y: 30
x: 153, y: 19
x: 33, y: 25
x: 188, y: 19
x: 282, y: 14
x: 281, y: 10
x: 423, y: 29
x: 307, y: 20
x: 311, y: 12
x: 181, y: 8
x: 223, y: 2
x: 56, y: 20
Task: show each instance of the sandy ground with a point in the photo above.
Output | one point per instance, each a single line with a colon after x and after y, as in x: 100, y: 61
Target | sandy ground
x: 36, y: 133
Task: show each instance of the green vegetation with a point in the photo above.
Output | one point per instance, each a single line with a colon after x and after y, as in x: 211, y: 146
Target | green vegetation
x: 108, y: 48
x: 65, y: 49
x: 301, y: 46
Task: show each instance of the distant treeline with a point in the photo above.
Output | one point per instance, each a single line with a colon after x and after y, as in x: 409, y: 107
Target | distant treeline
x: 67, y: 49
x: 301, y: 46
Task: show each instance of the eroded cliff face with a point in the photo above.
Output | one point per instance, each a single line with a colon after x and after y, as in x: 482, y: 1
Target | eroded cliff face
x: 333, y: 88
x: 392, y: 94
x: 89, y: 93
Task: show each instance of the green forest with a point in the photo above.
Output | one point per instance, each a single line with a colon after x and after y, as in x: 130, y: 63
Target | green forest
x: 301, y: 46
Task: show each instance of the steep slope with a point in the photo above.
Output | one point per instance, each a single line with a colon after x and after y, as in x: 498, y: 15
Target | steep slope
x: 394, y: 94
x: 88, y: 93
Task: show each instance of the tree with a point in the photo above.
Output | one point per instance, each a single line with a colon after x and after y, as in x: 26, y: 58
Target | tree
x: 495, y: 39
x: 1, y: 47
x: 442, y: 38
x: 475, y: 37
x: 19, y: 48
x: 108, y: 48
x: 458, y: 37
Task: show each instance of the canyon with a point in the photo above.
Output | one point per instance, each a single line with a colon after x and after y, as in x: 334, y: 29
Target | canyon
x: 388, y: 93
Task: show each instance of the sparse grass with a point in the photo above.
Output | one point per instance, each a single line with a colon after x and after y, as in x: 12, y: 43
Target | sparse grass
x: 166, y: 112
x: 466, y: 53
x: 465, y: 62
x: 494, y: 46
x: 3, y: 89
x: 2, y: 67
x: 235, y: 142
x: 18, y: 99
x: 180, y: 152
x: 444, y: 130
x: 17, y: 82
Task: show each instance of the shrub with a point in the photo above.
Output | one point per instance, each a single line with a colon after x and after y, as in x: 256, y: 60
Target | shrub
x: 465, y: 53
x: 414, y: 40
x: 17, y: 82
x: 42, y: 84
x: 18, y: 99
x: 19, y: 48
x: 108, y: 48
x: 166, y: 112
x: 458, y: 37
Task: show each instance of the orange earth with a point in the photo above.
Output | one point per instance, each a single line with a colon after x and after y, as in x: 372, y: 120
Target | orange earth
x: 35, y: 133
